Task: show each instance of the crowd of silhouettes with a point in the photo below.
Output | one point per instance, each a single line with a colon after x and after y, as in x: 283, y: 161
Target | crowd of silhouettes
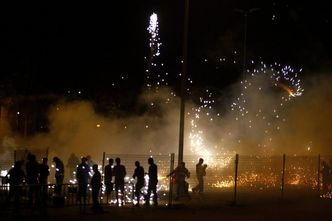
x: 36, y: 176
x: 117, y: 174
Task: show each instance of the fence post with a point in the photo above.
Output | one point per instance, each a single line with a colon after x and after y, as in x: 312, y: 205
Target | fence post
x: 283, y: 175
x: 235, y: 177
x: 170, y: 191
x: 318, y: 174
x: 103, y: 163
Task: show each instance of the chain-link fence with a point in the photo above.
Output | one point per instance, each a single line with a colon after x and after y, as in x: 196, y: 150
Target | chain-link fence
x: 263, y: 174
x: 227, y: 173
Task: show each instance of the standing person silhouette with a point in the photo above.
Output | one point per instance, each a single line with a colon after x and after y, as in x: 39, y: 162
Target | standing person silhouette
x: 96, y: 185
x: 181, y: 173
x: 44, y: 172
x: 15, y: 177
x: 59, y: 175
x: 108, y: 179
x: 82, y: 176
x: 200, y: 173
x: 139, y: 174
x: 153, y: 180
x: 119, y: 174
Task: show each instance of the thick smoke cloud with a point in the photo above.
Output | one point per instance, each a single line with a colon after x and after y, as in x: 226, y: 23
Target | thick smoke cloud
x: 309, y: 125
x: 75, y: 127
x: 302, y: 126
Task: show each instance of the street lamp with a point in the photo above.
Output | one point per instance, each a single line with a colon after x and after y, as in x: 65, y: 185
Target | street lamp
x: 245, y: 13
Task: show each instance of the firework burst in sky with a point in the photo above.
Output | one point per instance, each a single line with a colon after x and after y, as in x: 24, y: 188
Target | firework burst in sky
x: 265, y: 94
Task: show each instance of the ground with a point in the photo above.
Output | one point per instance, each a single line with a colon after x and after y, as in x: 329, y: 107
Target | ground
x: 210, y: 207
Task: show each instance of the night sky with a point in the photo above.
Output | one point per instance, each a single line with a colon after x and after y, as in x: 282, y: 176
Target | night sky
x: 56, y: 48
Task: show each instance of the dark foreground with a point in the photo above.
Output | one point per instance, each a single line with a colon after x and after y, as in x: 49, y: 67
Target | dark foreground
x: 211, y: 207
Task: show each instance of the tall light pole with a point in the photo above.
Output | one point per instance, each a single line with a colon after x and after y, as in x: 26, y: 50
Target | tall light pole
x: 183, y: 80
x: 245, y: 15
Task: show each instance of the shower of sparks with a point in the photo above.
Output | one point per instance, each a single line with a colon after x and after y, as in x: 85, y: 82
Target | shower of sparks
x: 154, y: 32
x: 250, y: 107
x: 256, y: 172
x: 196, y: 134
x: 203, y: 115
x: 327, y: 195
x: 156, y: 78
x: 204, y: 112
x: 248, y: 110
x: 155, y: 74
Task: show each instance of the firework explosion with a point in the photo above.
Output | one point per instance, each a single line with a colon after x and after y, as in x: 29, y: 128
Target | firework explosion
x: 157, y: 79
x: 154, y: 31
x: 261, y: 108
x: 154, y: 43
x: 275, y: 85
x: 258, y: 112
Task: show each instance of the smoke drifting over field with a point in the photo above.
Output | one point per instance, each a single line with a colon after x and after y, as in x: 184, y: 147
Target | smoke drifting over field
x: 75, y: 127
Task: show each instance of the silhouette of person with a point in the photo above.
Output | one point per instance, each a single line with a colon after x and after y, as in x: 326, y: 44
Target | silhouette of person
x: 181, y: 173
x: 15, y: 178
x: 82, y: 176
x: 32, y: 170
x: 119, y: 174
x: 326, y: 175
x: 44, y: 172
x: 89, y: 161
x: 108, y: 178
x: 72, y: 164
x: 59, y: 175
x: 200, y: 173
x: 139, y: 174
x: 153, y: 180
x: 96, y: 185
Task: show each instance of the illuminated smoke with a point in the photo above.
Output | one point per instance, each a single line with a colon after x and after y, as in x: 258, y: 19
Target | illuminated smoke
x: 260, y: 109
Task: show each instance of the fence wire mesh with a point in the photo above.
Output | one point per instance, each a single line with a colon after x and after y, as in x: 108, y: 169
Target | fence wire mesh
x: 255, y: 173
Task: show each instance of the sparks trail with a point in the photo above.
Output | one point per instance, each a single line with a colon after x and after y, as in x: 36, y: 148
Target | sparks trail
x: 153, y: 78
x: 260, y: 108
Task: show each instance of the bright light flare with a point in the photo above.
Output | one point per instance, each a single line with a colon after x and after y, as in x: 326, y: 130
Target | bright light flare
x: 154, y: 32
